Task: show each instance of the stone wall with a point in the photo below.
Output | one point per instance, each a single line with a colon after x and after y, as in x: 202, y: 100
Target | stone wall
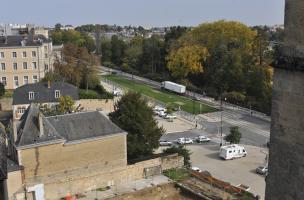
x: 93, y: 177
x: 14, y: 183
x: 93, y: 104
x: 286, y: 162
x: 6, y: 104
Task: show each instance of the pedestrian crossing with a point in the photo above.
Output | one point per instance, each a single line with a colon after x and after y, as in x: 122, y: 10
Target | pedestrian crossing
x: 235, y: 120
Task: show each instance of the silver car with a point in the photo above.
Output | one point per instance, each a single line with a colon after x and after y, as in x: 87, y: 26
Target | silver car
x: 262, y: 170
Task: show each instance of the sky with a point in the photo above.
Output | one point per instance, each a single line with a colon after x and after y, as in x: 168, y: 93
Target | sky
x: 147, y: 13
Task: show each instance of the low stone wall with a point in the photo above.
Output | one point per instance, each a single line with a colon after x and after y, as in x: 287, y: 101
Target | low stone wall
x: 89, y: 179
x: 6, y: 104
x: 93, y: 104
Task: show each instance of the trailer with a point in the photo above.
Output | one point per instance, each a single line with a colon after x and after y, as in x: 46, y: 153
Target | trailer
x: 174, y: 87
x: 232, y: 151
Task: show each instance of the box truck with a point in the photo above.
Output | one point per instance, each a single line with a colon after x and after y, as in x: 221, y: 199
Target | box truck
x: 174, y: 87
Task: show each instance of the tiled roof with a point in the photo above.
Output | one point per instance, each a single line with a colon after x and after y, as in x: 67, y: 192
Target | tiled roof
x: 43, y: 94
x: 63, y: 128
x: 19, y: 41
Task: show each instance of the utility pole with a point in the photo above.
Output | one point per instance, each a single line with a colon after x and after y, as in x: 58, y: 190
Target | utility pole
x: 221, y: 107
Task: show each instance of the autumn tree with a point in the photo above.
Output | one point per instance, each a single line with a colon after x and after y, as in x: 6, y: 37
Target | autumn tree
x: 187, y: 59
x: 66, y: 104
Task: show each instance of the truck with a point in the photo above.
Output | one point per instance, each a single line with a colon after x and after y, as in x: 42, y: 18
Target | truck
x: 230, y: 152
x: 174, y: 87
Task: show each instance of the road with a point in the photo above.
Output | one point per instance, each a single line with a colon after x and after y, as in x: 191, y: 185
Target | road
x: 255, y: 127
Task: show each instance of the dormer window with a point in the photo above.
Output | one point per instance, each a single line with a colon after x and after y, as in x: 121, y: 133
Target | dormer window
x: 57, y: 94
x: 31, y: 95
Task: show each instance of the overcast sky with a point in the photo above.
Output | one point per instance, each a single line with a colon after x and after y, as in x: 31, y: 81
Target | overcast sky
x: 141, y: 12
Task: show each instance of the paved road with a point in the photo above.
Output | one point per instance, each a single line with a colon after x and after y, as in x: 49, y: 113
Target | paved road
x: 255, y: 127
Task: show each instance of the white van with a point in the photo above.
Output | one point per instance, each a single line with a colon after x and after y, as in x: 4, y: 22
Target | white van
x: 232, y: 151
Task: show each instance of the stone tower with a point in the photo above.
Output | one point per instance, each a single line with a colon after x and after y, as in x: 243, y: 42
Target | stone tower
x: 285, y: 180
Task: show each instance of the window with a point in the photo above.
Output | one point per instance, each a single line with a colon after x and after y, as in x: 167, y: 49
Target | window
x: 3, y: 66
x: 57, y: 94
x: 25, y: 80
x: 230, y: 151
x: 31, y: 95
x: 15, y: 66
x: 16, y: 81
x: 24, y: 54
x: 34, y: 54
x: 45, y: 55
x: 35, y: 79
x: 34, y: 65
x: 46, y: 67
x: 24, y: 65
x: 3, y: 80
x: 14, y: 55
x: 45, y: 48
x: 21, y: 110
x: 1, y: 54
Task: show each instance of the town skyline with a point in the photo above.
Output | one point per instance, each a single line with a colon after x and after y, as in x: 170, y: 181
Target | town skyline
x: 139, y: 13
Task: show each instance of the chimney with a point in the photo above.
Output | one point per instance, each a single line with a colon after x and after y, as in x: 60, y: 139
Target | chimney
x: 49, y: 84
x: 41, y: 130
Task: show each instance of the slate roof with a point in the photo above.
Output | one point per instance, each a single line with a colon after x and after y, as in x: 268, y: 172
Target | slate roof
x: 3, y: 158
x: 17, y: 40
x: 63, y: 128
x: 43, y: 94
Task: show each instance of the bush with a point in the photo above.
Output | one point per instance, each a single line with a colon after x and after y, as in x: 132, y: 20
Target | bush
x: 182, y: 151
x: 235, y: 98
x: 2, y: 89
x: 177, y: 174
x: 98, y: 93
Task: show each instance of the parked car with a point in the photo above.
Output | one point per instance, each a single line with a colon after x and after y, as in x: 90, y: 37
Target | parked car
x: 184, y: 141
x: 165, y: 143
x: 202, y: 138
x: 262, y: 170
x: 117, y: 93
x: 196, y: 169
x: 162, y: 113
x: 169, y: 116
x: 232, y: 151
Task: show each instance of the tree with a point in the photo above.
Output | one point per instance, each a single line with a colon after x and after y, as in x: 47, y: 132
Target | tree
x: 58, y: 27
x: 117, y: 47
x: 182, y: 151
x: 235, y: 135
x: 66, y: 104
x: 133, y: 115
x: 106, y: 50
x: 2, y: 89
x: 187, y: 59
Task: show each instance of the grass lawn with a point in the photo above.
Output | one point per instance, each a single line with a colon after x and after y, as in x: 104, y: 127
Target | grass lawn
x: 177, y: 174
x: 166, y: 97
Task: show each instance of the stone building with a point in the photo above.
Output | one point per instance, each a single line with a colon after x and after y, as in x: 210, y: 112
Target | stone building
x: 285, y: 180
x: 63, y: 154
x: 42, y: 93
x: 24, y: 59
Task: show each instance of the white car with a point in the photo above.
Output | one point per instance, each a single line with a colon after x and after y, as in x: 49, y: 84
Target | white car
x: 202, y: 138
x: 184, y: 141
x: 196, y: 169
x: 165, y: 143
x: 162, y: 113
x: 158, y: 108
x: 169, y: 116
x: 117, y: 93
x: 262, y: 170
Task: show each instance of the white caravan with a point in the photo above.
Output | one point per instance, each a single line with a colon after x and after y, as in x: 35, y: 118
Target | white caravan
x: 232, y: 151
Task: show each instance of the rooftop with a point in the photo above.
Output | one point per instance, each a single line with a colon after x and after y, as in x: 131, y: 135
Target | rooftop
x: 43, y: 93
x: 66, y: 128
x: 21, y: 41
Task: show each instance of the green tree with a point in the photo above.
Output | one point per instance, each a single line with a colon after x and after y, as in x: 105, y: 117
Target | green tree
x: 117, y: 47
x: 58, y: 27
x: 235, y: 135
x: 2, y: 89
x: 133, y: 115
x: 182, y: 151
x: 106, y: 50
x: 66, y: 104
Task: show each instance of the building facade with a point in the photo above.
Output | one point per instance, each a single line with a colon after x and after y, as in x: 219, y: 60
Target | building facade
x: 24, y: 60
